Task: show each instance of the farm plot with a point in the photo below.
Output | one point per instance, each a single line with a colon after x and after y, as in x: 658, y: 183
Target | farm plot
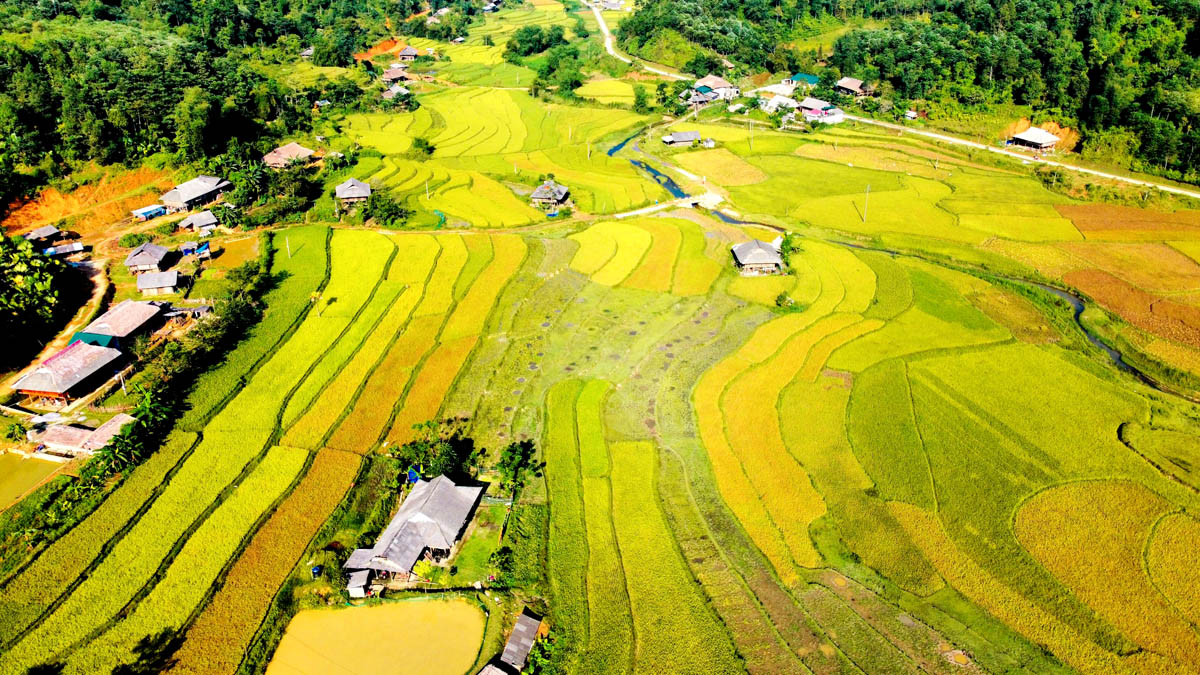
x: 652, y: 254
x: 606, y: 490
x: 607, y: 91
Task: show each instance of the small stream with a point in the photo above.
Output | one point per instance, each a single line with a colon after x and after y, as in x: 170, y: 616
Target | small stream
x: 1076, y: 302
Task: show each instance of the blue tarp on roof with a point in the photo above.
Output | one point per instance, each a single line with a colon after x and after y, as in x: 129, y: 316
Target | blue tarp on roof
x: 413, y: 476
x: 95, y: 339
x: 703, y: 89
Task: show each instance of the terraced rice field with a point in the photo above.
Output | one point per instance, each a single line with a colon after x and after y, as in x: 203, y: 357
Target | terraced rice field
x: 922, y: 468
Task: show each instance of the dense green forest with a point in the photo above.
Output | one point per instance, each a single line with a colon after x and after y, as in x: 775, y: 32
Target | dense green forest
x: 1124, y: 72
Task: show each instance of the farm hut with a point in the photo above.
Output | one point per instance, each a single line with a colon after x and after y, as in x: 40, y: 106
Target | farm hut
x: 203, y: 223
x: 394, y: 91
x: 352, y: 191
x: 520, y: 642
x: 281, y: 157
x: 802, y: 80
x: 681, y: 138
x: 147, y: 212
x: 709, y: 143
x: 43, y: 235
x: 550, y: 194
x: 409, y: 53
x: 69, y: 372
x: 851, y: 87
x: 77, y: 440
x: 358, y: 583
x: 429, y: 522
x: 146, y: 258
x: 757, y: 257
x: 392, y: 75
x: 64, y: 249
x: 158, y: 283
x: 910, y: 114
x: 719, y: 86
x: 1036, y: 138
x: 122, y: 322
x: 307, y: 53
x: 195, y: 192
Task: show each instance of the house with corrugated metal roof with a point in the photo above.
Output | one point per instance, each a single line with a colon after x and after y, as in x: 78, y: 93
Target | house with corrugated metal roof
x: 427, y: 526
x: 198, y: 191
x: 146, y: 258
x: 756, y: 257
x: 122, y: 322
x: 69, y: 373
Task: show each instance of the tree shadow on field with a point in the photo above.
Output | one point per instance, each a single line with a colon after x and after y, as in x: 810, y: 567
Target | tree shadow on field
x: 155, y: 654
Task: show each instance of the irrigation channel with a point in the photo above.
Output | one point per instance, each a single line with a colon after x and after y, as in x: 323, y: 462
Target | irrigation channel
x: 1077, y: 302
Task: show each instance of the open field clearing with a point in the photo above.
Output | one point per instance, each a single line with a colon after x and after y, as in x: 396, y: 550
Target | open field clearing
x: 607, y: 91
x: 106, y: 198
x: 434, y: 636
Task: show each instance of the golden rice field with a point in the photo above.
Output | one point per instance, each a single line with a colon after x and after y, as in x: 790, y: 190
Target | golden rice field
x: 920, y: 465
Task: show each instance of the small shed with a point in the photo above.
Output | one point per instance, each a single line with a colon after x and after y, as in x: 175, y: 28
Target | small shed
x: 352, y: 191
x: 357, y: 586
x: 147, y: 212
x: 202, y: 223
x: 44, y: 234
x: 396, y: 75
x: 409, y: 53
x: 158, y: 283
x: 394, y: 91
x: 550, y: 194
x: 757, y: 257
x: 520, y: 642
x: 1036, y: 138
x: 64, y: 249
x: 307, y: 53
x: 146, y: 258
x: 76, y: 440
x: 681, y: 138
x: 281, y: 157
x: 802, y: 80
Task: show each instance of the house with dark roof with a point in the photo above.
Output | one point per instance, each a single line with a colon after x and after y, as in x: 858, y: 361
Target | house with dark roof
x: 195, y: 192
x: 719, y: 86
x: 681, y: 138
x: 550, y: 194
x: 69, y: 373
x: 203, y: 223
x: 75, y: 440
x: 281, y: 157
x: 409, y: 53
x: 158, y: 283
x: 427, y: 525
x: 146, y: 258
x: 122, y: 322
x: 756, y: 257
x: 393, y: 75
x: 352, y: 191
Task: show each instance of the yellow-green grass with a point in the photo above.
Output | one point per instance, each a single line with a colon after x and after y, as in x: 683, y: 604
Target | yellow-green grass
x: 1091, y: 536
x: 973, y: 581
x: 461, y: 53
x: 722, y: 167
x: 197, y: 565
x: 675, y: 629
x: 1169, y: 560
x: 438, y: 637
x: 310, y: 429
x: 657, y: 268
x: 479, y: 254
x: 695, y: 272
x: 627, y: 242
x: 607, y: 91
x: 567, y: 555
x: 430, y: 386
x: 501, y: 25
x: 366, y: 422
x: 302, y: 74
x: 439, y: 292
x: 761, y: 289
x: 415, y: 257
x: 472, y: 311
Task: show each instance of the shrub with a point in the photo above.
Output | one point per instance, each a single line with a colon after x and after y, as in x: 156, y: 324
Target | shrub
x: 133, y: 239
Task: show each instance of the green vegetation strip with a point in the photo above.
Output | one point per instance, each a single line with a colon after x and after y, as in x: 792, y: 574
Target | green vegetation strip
x: 568, y: 554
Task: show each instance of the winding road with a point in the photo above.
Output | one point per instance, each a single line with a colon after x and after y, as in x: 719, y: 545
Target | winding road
x: 608, y: 46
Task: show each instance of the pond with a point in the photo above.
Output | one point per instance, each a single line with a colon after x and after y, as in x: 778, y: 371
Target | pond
x: 19, y: 475
x: 396, y: 638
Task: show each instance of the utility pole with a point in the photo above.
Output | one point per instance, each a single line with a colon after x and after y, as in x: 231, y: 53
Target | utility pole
x: 751, y: 135
x: 866, y: 201
x: 288, y: 241
x: 426, y: 189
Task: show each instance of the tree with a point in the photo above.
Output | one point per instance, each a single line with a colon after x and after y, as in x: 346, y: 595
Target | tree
x: 422, y: 146
x: 193, y: 116
x: 661, y: 95
x: 385, y: 210
x: 439, y: 448
x: 641, y: 100
x: 15, y: 432
x: 29, y: 286
x: 516, y: 461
